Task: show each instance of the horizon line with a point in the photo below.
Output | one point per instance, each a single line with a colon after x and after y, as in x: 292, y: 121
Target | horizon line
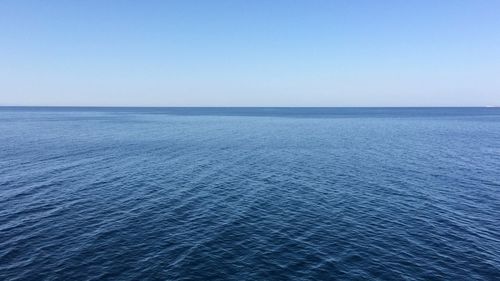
x: 239, y: 106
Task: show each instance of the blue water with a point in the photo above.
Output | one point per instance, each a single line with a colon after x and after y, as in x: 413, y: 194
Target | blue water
x: 249, y: 194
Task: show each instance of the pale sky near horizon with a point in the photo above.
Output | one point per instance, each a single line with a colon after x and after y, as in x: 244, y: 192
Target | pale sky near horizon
x: 250, y: 53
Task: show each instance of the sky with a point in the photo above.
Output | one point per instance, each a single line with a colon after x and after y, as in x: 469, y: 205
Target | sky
x: 250, y: 53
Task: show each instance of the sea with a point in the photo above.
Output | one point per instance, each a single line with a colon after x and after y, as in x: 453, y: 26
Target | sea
x: 89, y: 193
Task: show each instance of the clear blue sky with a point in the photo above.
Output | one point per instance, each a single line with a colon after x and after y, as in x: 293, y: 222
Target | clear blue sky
x: 250, y: 53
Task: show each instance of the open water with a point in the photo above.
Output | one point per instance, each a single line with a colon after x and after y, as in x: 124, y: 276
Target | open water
x: 249, y: 193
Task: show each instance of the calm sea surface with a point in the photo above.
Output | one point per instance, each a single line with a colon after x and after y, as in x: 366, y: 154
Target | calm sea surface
x: 249, y: 194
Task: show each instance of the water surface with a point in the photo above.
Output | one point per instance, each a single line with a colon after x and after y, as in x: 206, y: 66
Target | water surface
x: 249, y: 193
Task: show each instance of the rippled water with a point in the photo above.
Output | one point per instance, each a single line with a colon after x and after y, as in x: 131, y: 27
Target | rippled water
x: 249, y: 194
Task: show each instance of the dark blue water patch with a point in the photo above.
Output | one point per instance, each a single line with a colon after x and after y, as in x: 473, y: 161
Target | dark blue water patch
x: 304, y: 112
x: 236, y: 194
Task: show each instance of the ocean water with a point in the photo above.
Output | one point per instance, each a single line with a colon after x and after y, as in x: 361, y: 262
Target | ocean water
x: 249, y: 193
